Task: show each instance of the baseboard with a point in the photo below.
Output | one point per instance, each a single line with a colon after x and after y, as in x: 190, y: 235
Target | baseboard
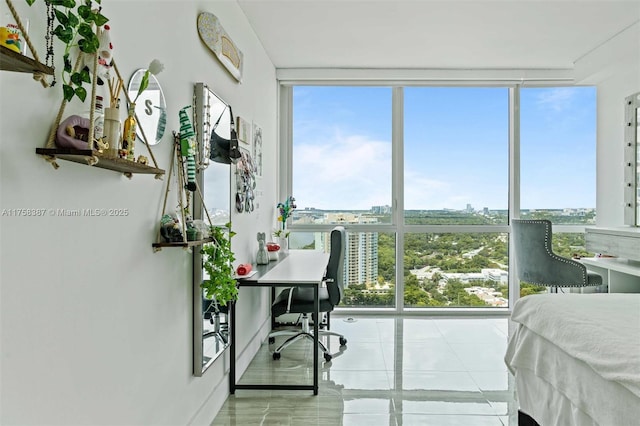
x: 216, y: 398
x: 246, y: 355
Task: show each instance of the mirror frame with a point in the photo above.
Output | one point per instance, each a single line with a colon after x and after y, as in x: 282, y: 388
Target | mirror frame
x: 148, y: 114
x: 631, y: 160
x: 203, y: 127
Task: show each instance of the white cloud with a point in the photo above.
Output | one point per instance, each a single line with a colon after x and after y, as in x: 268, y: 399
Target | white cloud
x: 558, y: 99
x: 354, y: 173
x: 344, y: 172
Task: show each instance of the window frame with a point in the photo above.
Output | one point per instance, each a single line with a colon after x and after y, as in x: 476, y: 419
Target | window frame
x: 288, y: 80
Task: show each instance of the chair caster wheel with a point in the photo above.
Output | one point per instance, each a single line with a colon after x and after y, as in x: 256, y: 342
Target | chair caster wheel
x: 272, y: 340
x: 327, y: 357
x: 276, y: 355
x: 343, y: 341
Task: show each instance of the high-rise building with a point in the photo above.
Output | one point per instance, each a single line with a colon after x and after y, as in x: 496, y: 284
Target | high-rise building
x: 361, y: 250
x: 381, y: 209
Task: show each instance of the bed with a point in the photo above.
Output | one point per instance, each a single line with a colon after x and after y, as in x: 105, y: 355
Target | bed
x: 576, y: 358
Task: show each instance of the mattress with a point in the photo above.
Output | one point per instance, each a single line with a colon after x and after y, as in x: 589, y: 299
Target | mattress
x: 576, y: 358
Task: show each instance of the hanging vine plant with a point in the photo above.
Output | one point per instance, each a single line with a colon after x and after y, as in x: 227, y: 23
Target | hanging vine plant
x: 74, y: 27
x: 217, y: 261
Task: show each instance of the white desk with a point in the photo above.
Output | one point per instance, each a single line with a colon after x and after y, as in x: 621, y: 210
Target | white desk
x: 621, y: 275
x: 622, y: 241
x: 300, y: 268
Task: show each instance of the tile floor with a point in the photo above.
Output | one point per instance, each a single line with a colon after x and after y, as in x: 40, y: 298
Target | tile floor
x: 393, y: 371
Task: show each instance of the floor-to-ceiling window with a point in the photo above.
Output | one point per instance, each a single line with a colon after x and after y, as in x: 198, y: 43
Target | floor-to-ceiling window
x: 420, y: 177
x: 342, y: 174
x: 558, y: 164
x: 456, y: 190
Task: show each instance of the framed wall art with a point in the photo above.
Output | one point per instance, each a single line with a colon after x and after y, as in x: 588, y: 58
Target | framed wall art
x: 244, y: 130
x: 257, y: 148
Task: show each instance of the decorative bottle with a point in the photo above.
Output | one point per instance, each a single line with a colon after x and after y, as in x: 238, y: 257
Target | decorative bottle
x: 97, y: 124
x: 98, y: 119
x: 129, y: 133
x: 112, y: 127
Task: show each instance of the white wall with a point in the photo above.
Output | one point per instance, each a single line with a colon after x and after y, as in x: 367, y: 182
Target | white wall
x: 96, y: 327
x: 614, y: 68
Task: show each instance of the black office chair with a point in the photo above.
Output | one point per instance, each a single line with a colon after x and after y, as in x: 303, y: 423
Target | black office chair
x: 536, y: 263
x: 299, y: 300
x: 211, y: 312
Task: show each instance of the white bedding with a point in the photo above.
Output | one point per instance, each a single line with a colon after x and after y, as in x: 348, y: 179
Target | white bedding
x: 583, y: 347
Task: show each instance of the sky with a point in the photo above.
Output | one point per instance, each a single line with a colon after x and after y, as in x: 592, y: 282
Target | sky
x: 456, y: 147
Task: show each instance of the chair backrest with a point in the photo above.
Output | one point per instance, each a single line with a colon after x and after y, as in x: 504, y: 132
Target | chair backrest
x: 335, y: 267
x: 535, y: 261
x: 211, y: 307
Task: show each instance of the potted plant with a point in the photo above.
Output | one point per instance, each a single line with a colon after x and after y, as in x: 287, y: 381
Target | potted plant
x: 217, y: 261
x: 74, y: 26
x: 285, y: 210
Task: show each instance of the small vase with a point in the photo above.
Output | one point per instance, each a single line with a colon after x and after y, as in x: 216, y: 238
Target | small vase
x: 129, y: 133
x: 112, y: 130
x: 284, y: 245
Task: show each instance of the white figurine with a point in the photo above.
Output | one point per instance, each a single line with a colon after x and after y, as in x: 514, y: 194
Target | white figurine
x: 263, y: 255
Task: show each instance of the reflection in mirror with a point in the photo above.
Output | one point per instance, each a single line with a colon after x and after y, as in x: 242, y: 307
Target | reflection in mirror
x: 632, y: 160
x: 210, y: 322
x: 637, y: 160
x: 151, y: 109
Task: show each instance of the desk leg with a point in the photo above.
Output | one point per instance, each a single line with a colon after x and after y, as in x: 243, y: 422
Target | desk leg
x: 273, y: 299
x: 232, y: 348
x: 316, y: 332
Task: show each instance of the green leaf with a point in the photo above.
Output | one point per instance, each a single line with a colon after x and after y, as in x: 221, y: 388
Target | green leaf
x: 30, y: 2
x: 85, y: 30
x: 67, y: 63
x: 89, y: 44
x: 84, y: 11
x: 64, y: 3
x: 76, y: 78
x: 61, y: 17
x: 81, y: 93
x: 144, y: 83
x: 67, y: 92
x: 65, y: 34
x: 100, y: 19
x: 73, y: 20
x: 85, y: 76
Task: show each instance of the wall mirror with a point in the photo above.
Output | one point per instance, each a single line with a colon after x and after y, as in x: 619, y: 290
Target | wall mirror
x: 632, y: 160
x: 210, y: 321
x: 151, y: 108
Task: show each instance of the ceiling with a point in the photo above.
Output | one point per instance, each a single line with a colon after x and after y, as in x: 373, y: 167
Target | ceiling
x: 430, y: 34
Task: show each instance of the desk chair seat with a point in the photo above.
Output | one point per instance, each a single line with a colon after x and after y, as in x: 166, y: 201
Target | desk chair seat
x: 298, y: 300
x: 536, y: 263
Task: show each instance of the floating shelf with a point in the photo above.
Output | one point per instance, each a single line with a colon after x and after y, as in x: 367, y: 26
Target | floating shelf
x: 85, y: 156
x: 182, y: 243
x: 11, y: 60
